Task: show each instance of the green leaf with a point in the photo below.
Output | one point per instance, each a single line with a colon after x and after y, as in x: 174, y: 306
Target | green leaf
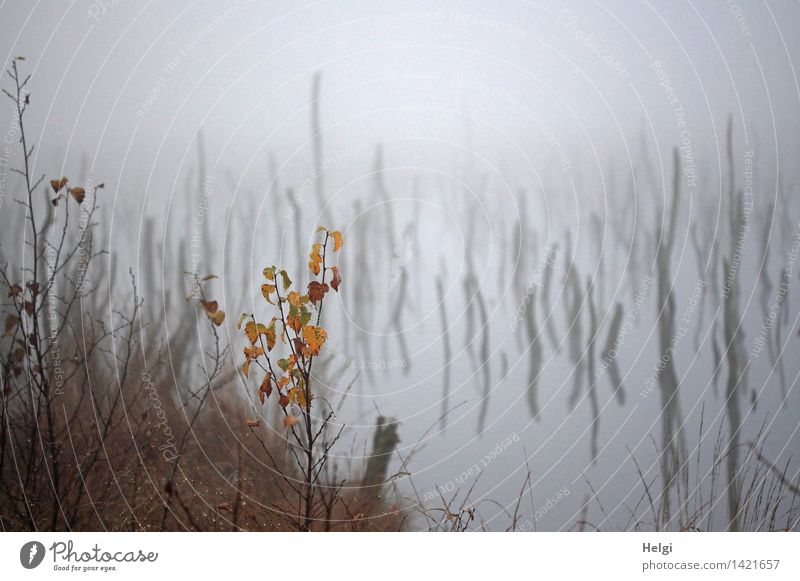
x: 287, y: 282
x: 305, y: 316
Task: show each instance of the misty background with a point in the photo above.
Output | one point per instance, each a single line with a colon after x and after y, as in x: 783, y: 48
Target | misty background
x: 469, y: 153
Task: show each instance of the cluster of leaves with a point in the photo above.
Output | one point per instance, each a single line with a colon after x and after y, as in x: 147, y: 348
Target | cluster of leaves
x: 210, y: 307
x: 213, y: 312
x: 24, y: 305
x: 77, y: 193
x: 27, y: 303
x: 296, y: 326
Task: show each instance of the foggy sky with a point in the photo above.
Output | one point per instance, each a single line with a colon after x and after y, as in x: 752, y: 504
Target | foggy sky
x: 525, y: 92
x: 141, y: 79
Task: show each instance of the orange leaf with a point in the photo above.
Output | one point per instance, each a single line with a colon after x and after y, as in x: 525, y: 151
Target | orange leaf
x: 253, y: 352
x: 78, y: 193
x: 294, y: 298
x: 266, y: 388
x: 337, y: 279
x: 316, y: 258
x: 254, y: 330
x: 270, y: 335
x: 295, y: 318
x: 315, y: 337
x: 338, y: 239
x: 58, y: 184
x: 289, y: 421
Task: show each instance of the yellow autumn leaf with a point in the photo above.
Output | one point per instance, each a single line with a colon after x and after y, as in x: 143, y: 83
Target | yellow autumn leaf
x: 314, y: 337
x: 270, y: 335
x: 297, y: 395
x: 294, y: 322
x: 294, y: 298
x: 267, y: 290
x: 254, y: 330
x: 338, y: 239
x: 316, y: 258
x: 253, y: 353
